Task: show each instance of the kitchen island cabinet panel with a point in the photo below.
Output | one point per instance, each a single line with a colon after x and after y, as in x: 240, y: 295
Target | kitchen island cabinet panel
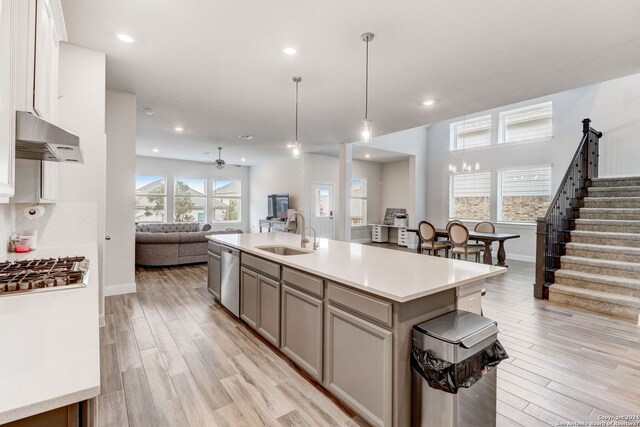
x: 358, y: 357
x: 269, y: 309
x: 302, y: 330
x: 249, y: 297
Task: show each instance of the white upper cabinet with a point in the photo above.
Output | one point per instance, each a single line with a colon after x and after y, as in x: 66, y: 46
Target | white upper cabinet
x: 7, y: 96
x: 45, y: 91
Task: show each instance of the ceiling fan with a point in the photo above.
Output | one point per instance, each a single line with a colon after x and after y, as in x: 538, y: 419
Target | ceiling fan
x: 220, y: 163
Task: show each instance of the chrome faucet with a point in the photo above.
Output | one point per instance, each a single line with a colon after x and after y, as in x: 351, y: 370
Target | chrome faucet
x: 315, y: 239
x: 304, y: 240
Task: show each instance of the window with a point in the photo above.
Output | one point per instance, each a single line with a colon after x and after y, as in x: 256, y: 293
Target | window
x: 524, y: 194
x: 532, y: 123
x: 226, y: 200
x: 470, y: 196
x: 189, y: 200
x: 358, y: 202
x: 471, y: 133
x: 151, y: 198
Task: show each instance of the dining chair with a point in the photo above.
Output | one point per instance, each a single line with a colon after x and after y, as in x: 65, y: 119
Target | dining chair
x: 459, y: 237
x: 485, y: 227
x: 453, y: 221
x: 428, y: 242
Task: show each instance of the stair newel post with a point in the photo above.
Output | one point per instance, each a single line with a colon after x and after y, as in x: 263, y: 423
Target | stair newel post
x: 585, y: 151
x: 541, y: 259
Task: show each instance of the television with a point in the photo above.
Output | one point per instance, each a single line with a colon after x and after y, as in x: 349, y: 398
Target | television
x: 278, y: 206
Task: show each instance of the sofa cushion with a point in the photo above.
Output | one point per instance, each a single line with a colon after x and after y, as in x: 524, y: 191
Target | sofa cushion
x: 169, y: 227
x: 192, y: 249
x: 204, y: 227
x: 157, y: 238
x: 193, y: 237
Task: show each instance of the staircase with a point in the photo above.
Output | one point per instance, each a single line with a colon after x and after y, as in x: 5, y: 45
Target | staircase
x: 600, y: 268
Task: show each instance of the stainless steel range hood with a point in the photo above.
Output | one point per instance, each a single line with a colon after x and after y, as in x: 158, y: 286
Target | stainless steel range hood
x: 37, y: 139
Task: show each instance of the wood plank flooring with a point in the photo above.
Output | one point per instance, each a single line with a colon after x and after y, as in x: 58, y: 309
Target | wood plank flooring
x: 171, y: 357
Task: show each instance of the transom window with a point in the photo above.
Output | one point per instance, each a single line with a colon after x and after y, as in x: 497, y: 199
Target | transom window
x: 524, y: 194
x: 470, y: 196
x: 189, y: 200
x: 151, y: 198
x: 533, y: 123
x: 471, y: 133
x: 226, y: 200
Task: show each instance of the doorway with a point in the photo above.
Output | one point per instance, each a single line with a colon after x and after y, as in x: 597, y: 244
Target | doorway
x: 323, y: 207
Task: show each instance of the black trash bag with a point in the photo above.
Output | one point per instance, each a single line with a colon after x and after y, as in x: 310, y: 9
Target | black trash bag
x: 449, y: 377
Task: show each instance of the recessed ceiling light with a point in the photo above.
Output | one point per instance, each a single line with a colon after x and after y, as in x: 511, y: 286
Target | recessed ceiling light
x: 246, y: 137
x: 289, y: 50
x: 155, y: 150
x: 178, y: 128
x: 428, y: 102
x: 243, y: 159
x: 125, y: 38
x: 148, y: 111
x: 289, y: 145
x: 366, y: 156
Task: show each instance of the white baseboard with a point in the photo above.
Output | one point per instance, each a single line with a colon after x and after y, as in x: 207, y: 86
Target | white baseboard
x: 526, y: 258
x: 101, y: 322
x: 125, y: 288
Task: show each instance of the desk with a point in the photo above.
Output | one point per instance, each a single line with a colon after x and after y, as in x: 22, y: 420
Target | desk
x: 275, y: 225
x: 380, y: 234
x: 487, y: 239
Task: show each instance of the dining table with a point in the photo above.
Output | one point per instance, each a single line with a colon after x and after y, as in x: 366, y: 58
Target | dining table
x: 486, y: 238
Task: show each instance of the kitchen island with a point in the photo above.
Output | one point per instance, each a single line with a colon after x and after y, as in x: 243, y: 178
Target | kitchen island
x: 344, y: 312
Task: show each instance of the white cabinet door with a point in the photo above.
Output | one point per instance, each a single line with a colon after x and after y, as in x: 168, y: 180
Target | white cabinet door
x: 45, y: 91
x: 7, y: 94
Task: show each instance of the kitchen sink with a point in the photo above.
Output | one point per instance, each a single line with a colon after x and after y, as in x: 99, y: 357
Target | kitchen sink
x: 284, y: 250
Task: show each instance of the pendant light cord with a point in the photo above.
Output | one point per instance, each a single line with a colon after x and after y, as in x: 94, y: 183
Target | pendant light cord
x: 366, y: 84
x: 296, y: 111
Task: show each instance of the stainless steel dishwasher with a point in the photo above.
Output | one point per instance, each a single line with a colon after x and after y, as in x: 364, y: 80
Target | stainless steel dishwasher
x: 230, y: 279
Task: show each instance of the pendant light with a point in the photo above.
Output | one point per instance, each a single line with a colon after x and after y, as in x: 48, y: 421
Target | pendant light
x: 296, y: 149
x: 366, y: 131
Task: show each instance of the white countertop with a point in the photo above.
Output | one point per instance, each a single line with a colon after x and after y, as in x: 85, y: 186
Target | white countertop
x: 49, y: 343
x: 396, y: 275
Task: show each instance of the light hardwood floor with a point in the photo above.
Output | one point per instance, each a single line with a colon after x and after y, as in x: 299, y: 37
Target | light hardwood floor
x: 170, y: 357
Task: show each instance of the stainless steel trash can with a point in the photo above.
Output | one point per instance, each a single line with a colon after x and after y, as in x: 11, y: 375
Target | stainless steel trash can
x: 454, y: 338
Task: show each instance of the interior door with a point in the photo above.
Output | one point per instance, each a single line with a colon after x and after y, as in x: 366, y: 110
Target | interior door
x: 323, y: 206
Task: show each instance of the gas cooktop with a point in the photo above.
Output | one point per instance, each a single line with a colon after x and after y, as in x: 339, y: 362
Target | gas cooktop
x: 35, y: 275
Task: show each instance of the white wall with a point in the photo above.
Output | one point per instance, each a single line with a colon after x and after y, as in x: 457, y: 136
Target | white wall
x: 6, y: 227
x: 121, y: 167
x: 614, y: 108
x: 82, y: 111
x: 395, y: 185
x: 281, y: 176
x: 414, y: 143
x: 182, y: 168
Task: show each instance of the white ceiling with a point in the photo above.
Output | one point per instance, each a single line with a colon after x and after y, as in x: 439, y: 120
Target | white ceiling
x: 217, y: 68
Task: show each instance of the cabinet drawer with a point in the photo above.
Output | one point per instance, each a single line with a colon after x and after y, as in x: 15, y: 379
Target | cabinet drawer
x: 308, y: 283
x: 214, y: 247
x: 267, y: 268
x: 365, y: 305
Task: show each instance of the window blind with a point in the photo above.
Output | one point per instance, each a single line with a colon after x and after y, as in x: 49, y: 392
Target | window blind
x: 527, y: 124
x: 526, y: 182
x: 472, y: 185
x: 471, y: 133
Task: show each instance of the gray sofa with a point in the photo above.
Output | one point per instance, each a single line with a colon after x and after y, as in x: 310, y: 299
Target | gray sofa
x: 173, y: 244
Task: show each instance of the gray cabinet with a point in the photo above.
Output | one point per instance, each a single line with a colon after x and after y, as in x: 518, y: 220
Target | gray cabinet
x: 249, y: 297
x: 269, y: 309
x: 301, y: 338
x: 213, y: 281
x: 358, y: 357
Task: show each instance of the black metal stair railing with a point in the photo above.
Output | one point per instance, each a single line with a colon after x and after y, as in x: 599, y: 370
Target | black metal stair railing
x: 552, y: 233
